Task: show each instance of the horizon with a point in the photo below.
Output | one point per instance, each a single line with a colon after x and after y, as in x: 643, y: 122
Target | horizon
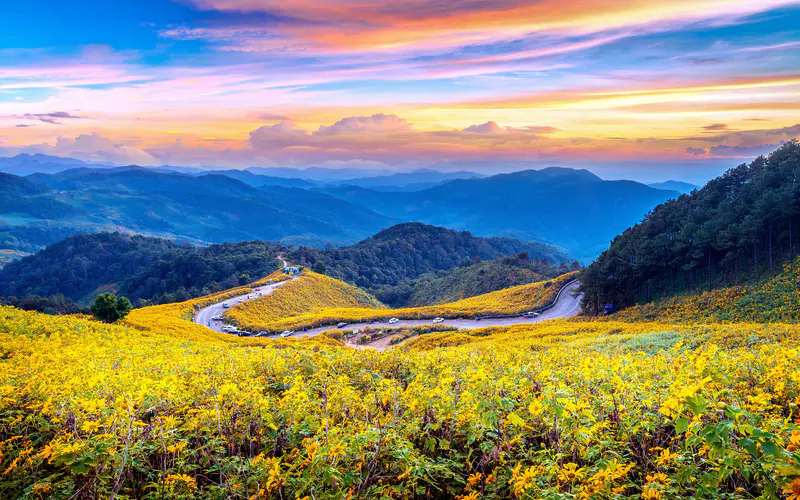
x: 647, y: 91
x: 641, y: 176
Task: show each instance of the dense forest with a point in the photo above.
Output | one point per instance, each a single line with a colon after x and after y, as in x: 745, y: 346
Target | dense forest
x: 469, y: 279
x: 146, y: 270
x: 736, y: 229
x: 154, y: 270
x: 407, y: 251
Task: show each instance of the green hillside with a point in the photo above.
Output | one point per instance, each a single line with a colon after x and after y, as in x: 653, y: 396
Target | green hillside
x: 738, y: 228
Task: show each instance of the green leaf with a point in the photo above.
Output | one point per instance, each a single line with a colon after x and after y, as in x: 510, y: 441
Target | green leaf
x: 681, y: 425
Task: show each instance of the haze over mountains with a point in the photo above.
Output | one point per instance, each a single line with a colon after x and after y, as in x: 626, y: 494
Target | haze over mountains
x: 570, y: 208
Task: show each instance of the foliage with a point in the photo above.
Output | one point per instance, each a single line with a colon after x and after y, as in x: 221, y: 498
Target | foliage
x: 160, y: 271
x: 776, y: 299
x: 470, y: 279
x: 734, y: 229
x: 56, y: 304
x: 110, y: 308
x: 313, y: 300
x: 150, y: 270
x: 552, y: 410
x: 407, y: 251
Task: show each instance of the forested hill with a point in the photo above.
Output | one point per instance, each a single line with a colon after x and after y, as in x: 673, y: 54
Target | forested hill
x: 155, y: 270
x: 407, y: 251
x: 151, y: 269
x: 736, y: 229
x: 470, y: 279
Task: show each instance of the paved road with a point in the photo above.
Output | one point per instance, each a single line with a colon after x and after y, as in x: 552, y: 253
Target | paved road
x: 566, y: 306
x: 204, y: 315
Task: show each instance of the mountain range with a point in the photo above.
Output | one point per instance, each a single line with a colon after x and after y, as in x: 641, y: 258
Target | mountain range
x: 570, y: 208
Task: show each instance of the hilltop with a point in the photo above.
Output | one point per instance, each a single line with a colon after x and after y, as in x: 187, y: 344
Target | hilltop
x: 570, y: 208
x: 156, y: 270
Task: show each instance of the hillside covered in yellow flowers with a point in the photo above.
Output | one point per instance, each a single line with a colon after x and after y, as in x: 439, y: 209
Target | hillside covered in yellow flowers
x: 314, y: 300
x: 774, y: 299
x: 159, y: 407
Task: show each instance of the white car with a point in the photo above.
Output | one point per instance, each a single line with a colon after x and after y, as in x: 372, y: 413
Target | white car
x: 287, y: 333
x: 217, y: 318
x: 438, y: 320
x: 241, y: 299
x: 393, y: 321
x: 228, y: 328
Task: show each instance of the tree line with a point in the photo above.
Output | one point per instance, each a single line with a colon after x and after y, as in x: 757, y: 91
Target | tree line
x: 738, y: 228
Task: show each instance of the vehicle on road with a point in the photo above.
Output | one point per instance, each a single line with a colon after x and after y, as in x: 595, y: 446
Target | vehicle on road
x: 217, y: 318
x: 438, y: 320
x: 226, y: 305
x: 393, y: 321
x: 241, y: 299
x: 287, y: 333
x: 341, y: 325
x: 228, y: 328
x: 530, y: 314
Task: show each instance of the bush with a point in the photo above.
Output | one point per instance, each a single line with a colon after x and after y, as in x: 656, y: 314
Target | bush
x: 109, y: 308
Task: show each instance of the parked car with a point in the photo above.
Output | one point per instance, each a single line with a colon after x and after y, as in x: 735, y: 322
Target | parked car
x: 217, y: 318
x: 341, y: 325
x: 287, y: 333
x: 438, y: 320
x: 226, y: 305
x: 393, y: 321
x: 228, y: 328
x: 241, y: 299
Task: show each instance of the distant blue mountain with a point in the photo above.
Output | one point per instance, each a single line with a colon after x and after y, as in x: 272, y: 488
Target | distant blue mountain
x: 679, y: 186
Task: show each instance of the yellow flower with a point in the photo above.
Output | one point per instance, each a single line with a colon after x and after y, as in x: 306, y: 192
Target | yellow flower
x: 570, y: 473
x: 792, y: 490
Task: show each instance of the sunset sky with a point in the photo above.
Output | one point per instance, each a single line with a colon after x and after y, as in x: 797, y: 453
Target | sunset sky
x: 643, y: 89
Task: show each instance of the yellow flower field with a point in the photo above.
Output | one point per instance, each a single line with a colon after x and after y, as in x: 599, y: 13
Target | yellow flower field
x: 314, y: 300
x: 558, y: 409
x: 776, y: 299
x: 158, y: 407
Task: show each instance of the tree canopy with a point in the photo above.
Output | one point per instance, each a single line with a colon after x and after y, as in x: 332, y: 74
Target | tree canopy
x: 735, y: 229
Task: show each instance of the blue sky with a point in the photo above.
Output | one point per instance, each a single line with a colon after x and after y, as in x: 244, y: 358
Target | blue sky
x: 675, y: 89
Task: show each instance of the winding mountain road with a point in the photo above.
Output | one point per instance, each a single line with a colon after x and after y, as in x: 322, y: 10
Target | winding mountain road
x: 204, y: 316
x: 565, y: 306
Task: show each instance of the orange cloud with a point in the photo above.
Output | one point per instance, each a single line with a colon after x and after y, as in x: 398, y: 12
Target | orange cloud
x: 381, y: 25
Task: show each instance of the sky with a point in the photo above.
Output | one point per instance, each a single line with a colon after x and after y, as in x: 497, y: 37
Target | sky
x: 642, y: 89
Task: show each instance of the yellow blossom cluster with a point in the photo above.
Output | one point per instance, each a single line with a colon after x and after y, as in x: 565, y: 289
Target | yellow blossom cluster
x: 161, y: 408
x: 777, y: 299
x: 314, y: 300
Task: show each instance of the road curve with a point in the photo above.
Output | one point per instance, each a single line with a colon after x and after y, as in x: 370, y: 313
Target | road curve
x: 204, y: 315
x: 566, y: 305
